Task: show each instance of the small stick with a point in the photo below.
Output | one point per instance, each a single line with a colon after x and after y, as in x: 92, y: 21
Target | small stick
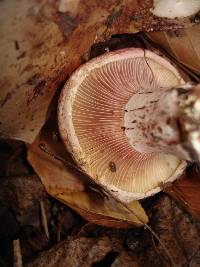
x: 60, y: 228
x: 17, y: 256
x: 44, y: 219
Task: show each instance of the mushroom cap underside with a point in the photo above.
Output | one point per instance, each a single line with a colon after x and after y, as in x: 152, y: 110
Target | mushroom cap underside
x: 91, y: 114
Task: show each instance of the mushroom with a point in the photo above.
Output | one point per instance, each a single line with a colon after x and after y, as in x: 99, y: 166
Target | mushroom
x: 117, y: 117
x: 175, y: 8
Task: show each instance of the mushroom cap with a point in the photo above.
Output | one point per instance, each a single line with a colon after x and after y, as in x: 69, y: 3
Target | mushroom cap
x: 91, y: 116
x: 175, y: 8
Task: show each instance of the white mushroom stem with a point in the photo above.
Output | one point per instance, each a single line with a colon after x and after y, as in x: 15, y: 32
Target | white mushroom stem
x: 165, y: 121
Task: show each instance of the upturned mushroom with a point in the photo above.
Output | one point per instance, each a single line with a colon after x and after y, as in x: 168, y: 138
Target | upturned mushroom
x: 119, y: 116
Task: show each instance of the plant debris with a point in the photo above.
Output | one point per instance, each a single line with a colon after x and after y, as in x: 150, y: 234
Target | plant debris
x: 40, y: 48
x: 176, y: 228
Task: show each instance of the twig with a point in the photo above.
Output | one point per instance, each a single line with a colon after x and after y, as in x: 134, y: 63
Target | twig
x: 17, y: 256
x: 44, y: 219
x: 60, y: 227
x: 157, y: 251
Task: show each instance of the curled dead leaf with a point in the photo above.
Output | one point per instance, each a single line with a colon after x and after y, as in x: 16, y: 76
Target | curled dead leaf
x: 183, y: 44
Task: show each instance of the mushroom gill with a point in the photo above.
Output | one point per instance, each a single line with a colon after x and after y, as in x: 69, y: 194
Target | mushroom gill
x: 103, y: 110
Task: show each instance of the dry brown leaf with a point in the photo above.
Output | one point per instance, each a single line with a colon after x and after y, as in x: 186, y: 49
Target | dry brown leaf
x: 40, y: 47
x: 183, y: 44
x: 71, y: 187
x: 186, y: 191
